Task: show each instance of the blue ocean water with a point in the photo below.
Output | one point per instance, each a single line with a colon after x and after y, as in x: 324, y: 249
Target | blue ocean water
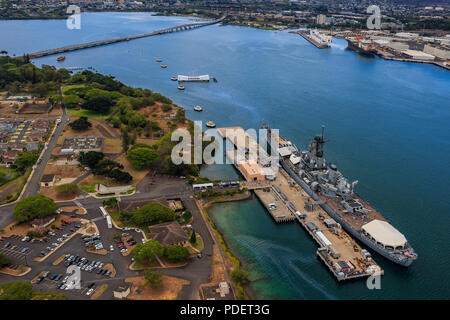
x: 387, y: 121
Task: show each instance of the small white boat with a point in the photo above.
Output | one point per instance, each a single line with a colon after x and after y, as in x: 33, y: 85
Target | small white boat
x: 180, y: 87
x: 198, y: 108
x: 159, y: 60
x: 164, y: 66
x: 210, y: 124
x: 173, y: 78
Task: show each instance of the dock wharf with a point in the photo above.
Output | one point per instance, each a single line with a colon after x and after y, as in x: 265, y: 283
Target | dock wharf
x: 304, y: 34
x: 287, y: 201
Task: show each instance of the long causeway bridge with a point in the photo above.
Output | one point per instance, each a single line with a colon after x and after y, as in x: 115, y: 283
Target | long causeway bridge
x: 99, y: 43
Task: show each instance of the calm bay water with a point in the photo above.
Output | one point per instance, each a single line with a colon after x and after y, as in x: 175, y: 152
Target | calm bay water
x: 388, y: 125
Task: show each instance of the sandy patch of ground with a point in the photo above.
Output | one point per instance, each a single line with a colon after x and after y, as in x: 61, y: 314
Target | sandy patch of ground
x: 102, y: 251
x: 63, y: 172
x: 59, y: 260
x: 169, y: 289
x: 137, y: 175
x: 51, y: 193
x: 218, y: 269
x: 21, y: 271
x: 80, y: 210
x: 112, y: 145
x: 99, y: 291
x: 35, y: 278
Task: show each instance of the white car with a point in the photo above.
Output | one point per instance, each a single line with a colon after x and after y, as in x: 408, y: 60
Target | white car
x: 111, y: 247
x: 124, y: 250
x: 55, y: 244
x: 89, y: 292
x: 25, y: 239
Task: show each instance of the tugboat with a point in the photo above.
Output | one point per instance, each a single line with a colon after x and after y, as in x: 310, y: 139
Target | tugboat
x: 198, y: 109
x: 159, y: 60
x: 173, y: 78
x: 61, y: 58
x: 164, y: 66
x: 180, y: 87
x: 210, y: 124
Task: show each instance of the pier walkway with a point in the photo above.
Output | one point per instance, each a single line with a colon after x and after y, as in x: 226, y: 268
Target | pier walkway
x: 99, y: 43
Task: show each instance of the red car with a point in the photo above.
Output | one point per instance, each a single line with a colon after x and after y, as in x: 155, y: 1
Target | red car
x: 118, y: 241
x: 71, y: 230
x: 120, y: 246
x: 59, y: 228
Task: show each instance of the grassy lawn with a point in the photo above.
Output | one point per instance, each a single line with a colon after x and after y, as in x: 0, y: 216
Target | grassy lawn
x: 7, y: 175
x: 13, y: 188
x: 64, y: 89
x: 89, y: 188
x: 115, y: 216
x: 199, y: 245
x: 88, y: 113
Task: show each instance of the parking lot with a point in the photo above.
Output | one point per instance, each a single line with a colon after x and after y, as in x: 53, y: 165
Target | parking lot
x: 62, y: 248
x: 19, y: 248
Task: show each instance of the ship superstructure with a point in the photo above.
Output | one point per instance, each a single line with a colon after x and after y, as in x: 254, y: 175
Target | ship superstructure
x: 328, y: 188
x: 320, y: 38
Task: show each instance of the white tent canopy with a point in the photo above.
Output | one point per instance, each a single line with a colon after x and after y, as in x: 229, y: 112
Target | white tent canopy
x: 285, y: 151
x: 385, y: 233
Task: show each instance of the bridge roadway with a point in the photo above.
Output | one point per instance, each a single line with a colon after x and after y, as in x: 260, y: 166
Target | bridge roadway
x: 121, y: 39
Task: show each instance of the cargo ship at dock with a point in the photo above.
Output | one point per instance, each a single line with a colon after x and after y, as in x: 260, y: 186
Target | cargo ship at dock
x: 361, y: 46
x: 329, y: 189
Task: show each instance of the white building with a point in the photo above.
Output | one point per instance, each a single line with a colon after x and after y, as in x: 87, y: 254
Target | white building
x: 418, y: 55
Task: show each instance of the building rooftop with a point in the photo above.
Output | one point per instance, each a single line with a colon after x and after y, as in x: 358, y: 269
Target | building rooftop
x: 47, y: 177
x: 168, y: 233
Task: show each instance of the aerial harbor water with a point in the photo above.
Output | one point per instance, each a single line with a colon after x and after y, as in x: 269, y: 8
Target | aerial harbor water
x: 387, y: 121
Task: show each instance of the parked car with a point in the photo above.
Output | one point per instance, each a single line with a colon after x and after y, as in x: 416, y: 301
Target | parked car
x: 111, y: 248
x: 89, y: 292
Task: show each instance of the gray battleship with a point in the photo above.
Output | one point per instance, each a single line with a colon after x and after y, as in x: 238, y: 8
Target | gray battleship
x: 332, y: 191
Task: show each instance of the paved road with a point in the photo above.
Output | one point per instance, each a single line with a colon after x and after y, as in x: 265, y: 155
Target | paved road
x: 33, y: 186
x: 22, y: 133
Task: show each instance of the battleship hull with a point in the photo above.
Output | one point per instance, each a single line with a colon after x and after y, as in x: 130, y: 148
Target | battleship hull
x: 354, y: 47
x: 342, y: 222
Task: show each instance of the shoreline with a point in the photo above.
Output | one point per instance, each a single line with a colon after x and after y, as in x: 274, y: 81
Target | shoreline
x: 224, y: 242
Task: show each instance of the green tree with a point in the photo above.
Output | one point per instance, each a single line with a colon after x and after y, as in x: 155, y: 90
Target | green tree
x: 90, y: 158
x: 166, y: 107
x: 80, y: 124
x: 17, y: 290
x: 193, y: 238
x: 152, y: 213
x: 152, y: 278
x: 240, y: 276
x: 148, y: 251
x: 142, y: 158
x: 176, y: 253
x: 26, y: 160
x: 37, y: 206
x: 4, y: 260
x: 187, y: 215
